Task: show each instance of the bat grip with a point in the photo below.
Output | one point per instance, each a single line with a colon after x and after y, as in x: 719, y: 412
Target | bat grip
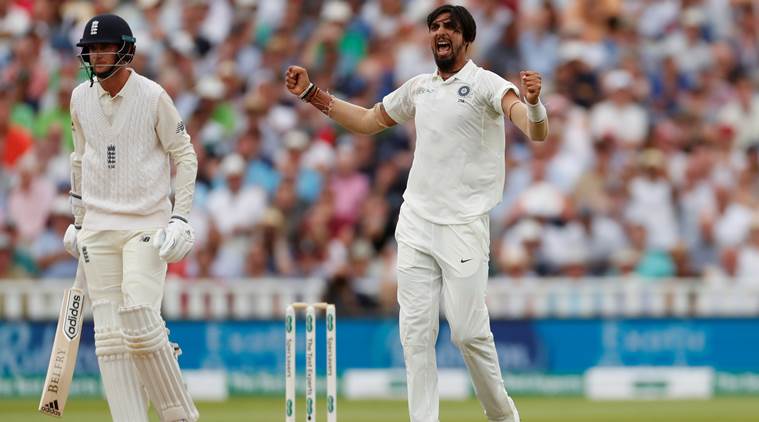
x: 80, y: 282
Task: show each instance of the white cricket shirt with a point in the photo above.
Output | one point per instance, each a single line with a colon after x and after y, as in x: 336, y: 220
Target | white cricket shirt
x: 459, y: 169
x: 122, y: 147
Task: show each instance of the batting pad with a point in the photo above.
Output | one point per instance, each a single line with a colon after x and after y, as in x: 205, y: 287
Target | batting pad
x: 123, y: 389
x: 148, y: 342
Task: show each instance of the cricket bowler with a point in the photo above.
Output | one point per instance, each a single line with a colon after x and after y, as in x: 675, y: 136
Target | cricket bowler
x: 456, y: 178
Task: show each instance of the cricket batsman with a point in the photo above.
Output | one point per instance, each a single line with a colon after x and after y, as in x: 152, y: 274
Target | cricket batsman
x: 456, y: 178
x: 126, y: 130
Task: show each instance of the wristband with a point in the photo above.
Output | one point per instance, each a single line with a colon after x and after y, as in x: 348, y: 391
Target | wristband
x: 322, y: 100
x: 306, y: 91
x: 536, y: 113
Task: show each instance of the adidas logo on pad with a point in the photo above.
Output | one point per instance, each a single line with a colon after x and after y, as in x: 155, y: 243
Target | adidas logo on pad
x: 51, y: 408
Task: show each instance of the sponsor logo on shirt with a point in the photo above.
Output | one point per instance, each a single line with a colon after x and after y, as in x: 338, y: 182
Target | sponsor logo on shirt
x: 422, y: 90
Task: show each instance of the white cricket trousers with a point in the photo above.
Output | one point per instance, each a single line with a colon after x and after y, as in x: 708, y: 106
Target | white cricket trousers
x: 448, y: 261
x: 122, y: 267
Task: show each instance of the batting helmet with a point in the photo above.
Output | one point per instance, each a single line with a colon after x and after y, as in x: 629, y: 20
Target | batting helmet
x: 107, y: 29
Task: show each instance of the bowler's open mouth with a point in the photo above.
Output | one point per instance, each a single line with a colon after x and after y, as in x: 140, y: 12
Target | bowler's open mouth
x: 442, y: 47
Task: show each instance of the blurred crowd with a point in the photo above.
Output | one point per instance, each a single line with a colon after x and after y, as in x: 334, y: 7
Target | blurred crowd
x: 651, y: 169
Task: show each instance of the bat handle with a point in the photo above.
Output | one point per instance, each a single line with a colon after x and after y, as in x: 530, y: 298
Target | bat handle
x: 80, y: 282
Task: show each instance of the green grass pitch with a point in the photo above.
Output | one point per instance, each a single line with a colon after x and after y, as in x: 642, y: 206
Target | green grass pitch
x: 532, y: 409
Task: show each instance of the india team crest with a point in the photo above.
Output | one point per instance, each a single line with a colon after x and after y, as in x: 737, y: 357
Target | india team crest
x: 464, y: 91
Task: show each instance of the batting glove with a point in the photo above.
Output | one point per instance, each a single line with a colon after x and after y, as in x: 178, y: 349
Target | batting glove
x: 69, y: 241
x: 175, y: 241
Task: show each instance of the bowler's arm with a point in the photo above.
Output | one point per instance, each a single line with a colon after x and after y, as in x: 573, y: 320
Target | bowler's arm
x: 357, y: 119
x: 517, y: 111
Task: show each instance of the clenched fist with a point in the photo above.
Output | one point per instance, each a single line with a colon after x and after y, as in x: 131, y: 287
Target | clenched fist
x: 296, y: 80
x: 531, y: 84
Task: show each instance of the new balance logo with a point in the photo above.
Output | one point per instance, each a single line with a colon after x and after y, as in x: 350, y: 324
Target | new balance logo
x: 51, y: 408
x: 94, y: 28
x: 111, y: 156
x: 145, y: 238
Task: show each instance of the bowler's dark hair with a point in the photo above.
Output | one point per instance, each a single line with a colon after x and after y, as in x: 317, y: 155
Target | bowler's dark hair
x: 460, y: 17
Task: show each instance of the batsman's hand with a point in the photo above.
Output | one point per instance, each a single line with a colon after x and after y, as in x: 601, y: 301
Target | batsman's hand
x: 531, y: 84
x: 69, y: 241
x: 175, y: 241
x: 296, y: 80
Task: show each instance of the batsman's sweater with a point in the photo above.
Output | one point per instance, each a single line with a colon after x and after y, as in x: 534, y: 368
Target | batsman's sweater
x: 120, y: 164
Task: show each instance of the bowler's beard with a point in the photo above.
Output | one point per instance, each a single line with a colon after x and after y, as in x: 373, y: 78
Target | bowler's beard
x: 446, y: 64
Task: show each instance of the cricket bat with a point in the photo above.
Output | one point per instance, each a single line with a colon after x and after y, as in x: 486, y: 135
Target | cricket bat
x: 60, y: 370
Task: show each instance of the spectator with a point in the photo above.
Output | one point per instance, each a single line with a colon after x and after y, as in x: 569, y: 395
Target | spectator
x: 624, y: 261
x: 514, y: 262
x: 349, y: 187
x: 493, y: 19
x: 652, y: 263
x: 234, y: 210
x: 58, y: 116
x: 260, y: 170
x: 8, y: 270
x: 31, y: 199
x: 14, y: 262
x: 540, y: 34
x: 52, y: 259
x: 15, y: 140
x: 620, y: 116
x: 684, y: 267
x: 308, y: 182
x: 692, y: 52
x: 256, y: 265
x: 651, y: 190
x: 733, y: 219
x: 603, y: 235
x: 741, y: 114
x: 591, y: 18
